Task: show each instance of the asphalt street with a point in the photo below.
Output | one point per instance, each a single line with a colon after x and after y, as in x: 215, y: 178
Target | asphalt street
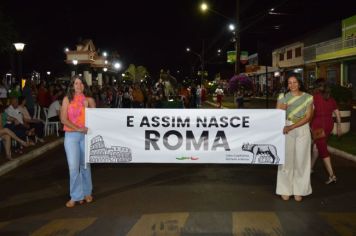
x: 174, y: 199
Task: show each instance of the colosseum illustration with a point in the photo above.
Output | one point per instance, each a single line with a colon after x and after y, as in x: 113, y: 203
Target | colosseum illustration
x: 101, y: 154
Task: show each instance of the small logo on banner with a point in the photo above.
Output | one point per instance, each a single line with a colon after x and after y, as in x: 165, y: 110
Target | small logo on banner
x: 99, y: 153
x: 265, y: 153
x: 187, y: 158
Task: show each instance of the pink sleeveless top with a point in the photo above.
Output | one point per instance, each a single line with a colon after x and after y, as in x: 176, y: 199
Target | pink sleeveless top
x: 76, y: 112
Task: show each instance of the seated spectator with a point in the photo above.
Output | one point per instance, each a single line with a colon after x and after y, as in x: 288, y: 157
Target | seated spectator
x: 6, y: 134
x: 15, y: 122
x: 54, y: 110
x: 28, y: 120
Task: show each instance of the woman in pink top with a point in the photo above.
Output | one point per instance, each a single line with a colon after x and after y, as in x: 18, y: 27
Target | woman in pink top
x: 73, y: 119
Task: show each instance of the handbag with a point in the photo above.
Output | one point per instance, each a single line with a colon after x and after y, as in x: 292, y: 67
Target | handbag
x: 318, y: 133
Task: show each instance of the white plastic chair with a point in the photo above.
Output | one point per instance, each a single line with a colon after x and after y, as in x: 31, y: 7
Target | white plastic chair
x: 50, y: 126
x: 37, y: 112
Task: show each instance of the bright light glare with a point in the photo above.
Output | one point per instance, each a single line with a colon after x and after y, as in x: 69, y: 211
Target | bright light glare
x: 187, y: 49
x: 19, y: 46
x: 204, y: 6
x: 232, y: 27
x: 75, y: 62
x: 105, y: 54
x: 105, y: 69
x: 48, y: 73
x: 66, y: 49
x: 117, y: 65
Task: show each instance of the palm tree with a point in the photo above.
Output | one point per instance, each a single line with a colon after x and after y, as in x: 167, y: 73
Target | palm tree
x: 136, y: 74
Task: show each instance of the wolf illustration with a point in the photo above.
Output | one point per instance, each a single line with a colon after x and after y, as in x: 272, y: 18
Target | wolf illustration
x: 256, y: 149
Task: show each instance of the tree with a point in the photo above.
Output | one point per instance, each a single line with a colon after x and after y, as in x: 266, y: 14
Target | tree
x: 136, y: 74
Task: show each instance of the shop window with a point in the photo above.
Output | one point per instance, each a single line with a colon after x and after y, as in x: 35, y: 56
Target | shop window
x: 281, y: 56
x: 298, y: 52
x: 289, y: 54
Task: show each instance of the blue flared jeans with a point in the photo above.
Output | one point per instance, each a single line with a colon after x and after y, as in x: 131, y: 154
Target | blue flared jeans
x: 80, y: 184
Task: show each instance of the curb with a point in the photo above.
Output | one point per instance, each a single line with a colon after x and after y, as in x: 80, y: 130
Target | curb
x: 10, y: 165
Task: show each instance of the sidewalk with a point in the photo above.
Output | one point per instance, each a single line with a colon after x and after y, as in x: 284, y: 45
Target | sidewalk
x: 332, y: 150
x: 34, y: 152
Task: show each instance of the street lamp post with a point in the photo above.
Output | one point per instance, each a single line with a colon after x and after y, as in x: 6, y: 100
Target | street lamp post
x: 19, y: 48
x: 202, y: 62
x: 204, y: 7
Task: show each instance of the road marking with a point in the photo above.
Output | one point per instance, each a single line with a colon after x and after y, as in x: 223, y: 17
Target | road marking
x: 256, y: 223
x: 160, y: 224
x: 343, y: 223
x: 64, y: 226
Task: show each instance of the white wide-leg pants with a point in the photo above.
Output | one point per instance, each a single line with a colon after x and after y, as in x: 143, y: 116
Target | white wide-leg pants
x: 293, y: 176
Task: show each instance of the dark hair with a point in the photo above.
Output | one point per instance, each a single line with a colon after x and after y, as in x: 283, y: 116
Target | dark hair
x: 300, y: 82
x: 70, y: 91
x: 321, y: 86
x: 21, y: 99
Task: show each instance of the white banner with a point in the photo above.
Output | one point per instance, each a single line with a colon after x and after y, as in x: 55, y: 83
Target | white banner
x: 185, y: 136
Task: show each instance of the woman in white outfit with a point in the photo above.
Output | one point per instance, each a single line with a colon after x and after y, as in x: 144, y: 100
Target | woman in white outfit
x: 293, y: 178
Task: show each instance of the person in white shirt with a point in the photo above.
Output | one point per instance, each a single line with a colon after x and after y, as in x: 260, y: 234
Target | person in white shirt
x: 15, y: 122
x: 54, y: 110
x: 219, y: 95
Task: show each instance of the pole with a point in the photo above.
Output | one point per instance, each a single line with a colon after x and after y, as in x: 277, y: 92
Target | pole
x: 20, y: 68
x: 202, y: 63
x: 237, y: 38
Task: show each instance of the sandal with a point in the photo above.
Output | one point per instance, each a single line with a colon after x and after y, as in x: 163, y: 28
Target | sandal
x: 88, y: 199
x: 72, y: 203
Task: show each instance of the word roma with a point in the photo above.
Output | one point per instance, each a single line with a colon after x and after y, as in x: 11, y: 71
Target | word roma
x: 154, y: 140
x: 179, y: 122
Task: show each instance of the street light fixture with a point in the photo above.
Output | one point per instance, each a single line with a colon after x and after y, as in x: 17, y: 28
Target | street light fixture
x: 117, y: 65
x: 19, y: 48
x: 232, y: 27
x: 204, y: 7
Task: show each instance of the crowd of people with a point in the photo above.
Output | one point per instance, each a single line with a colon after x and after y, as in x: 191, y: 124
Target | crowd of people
x: 305, y: 114
x: 18, y: 106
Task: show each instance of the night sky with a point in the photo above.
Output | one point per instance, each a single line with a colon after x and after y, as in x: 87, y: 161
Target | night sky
x: 155, y: 33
